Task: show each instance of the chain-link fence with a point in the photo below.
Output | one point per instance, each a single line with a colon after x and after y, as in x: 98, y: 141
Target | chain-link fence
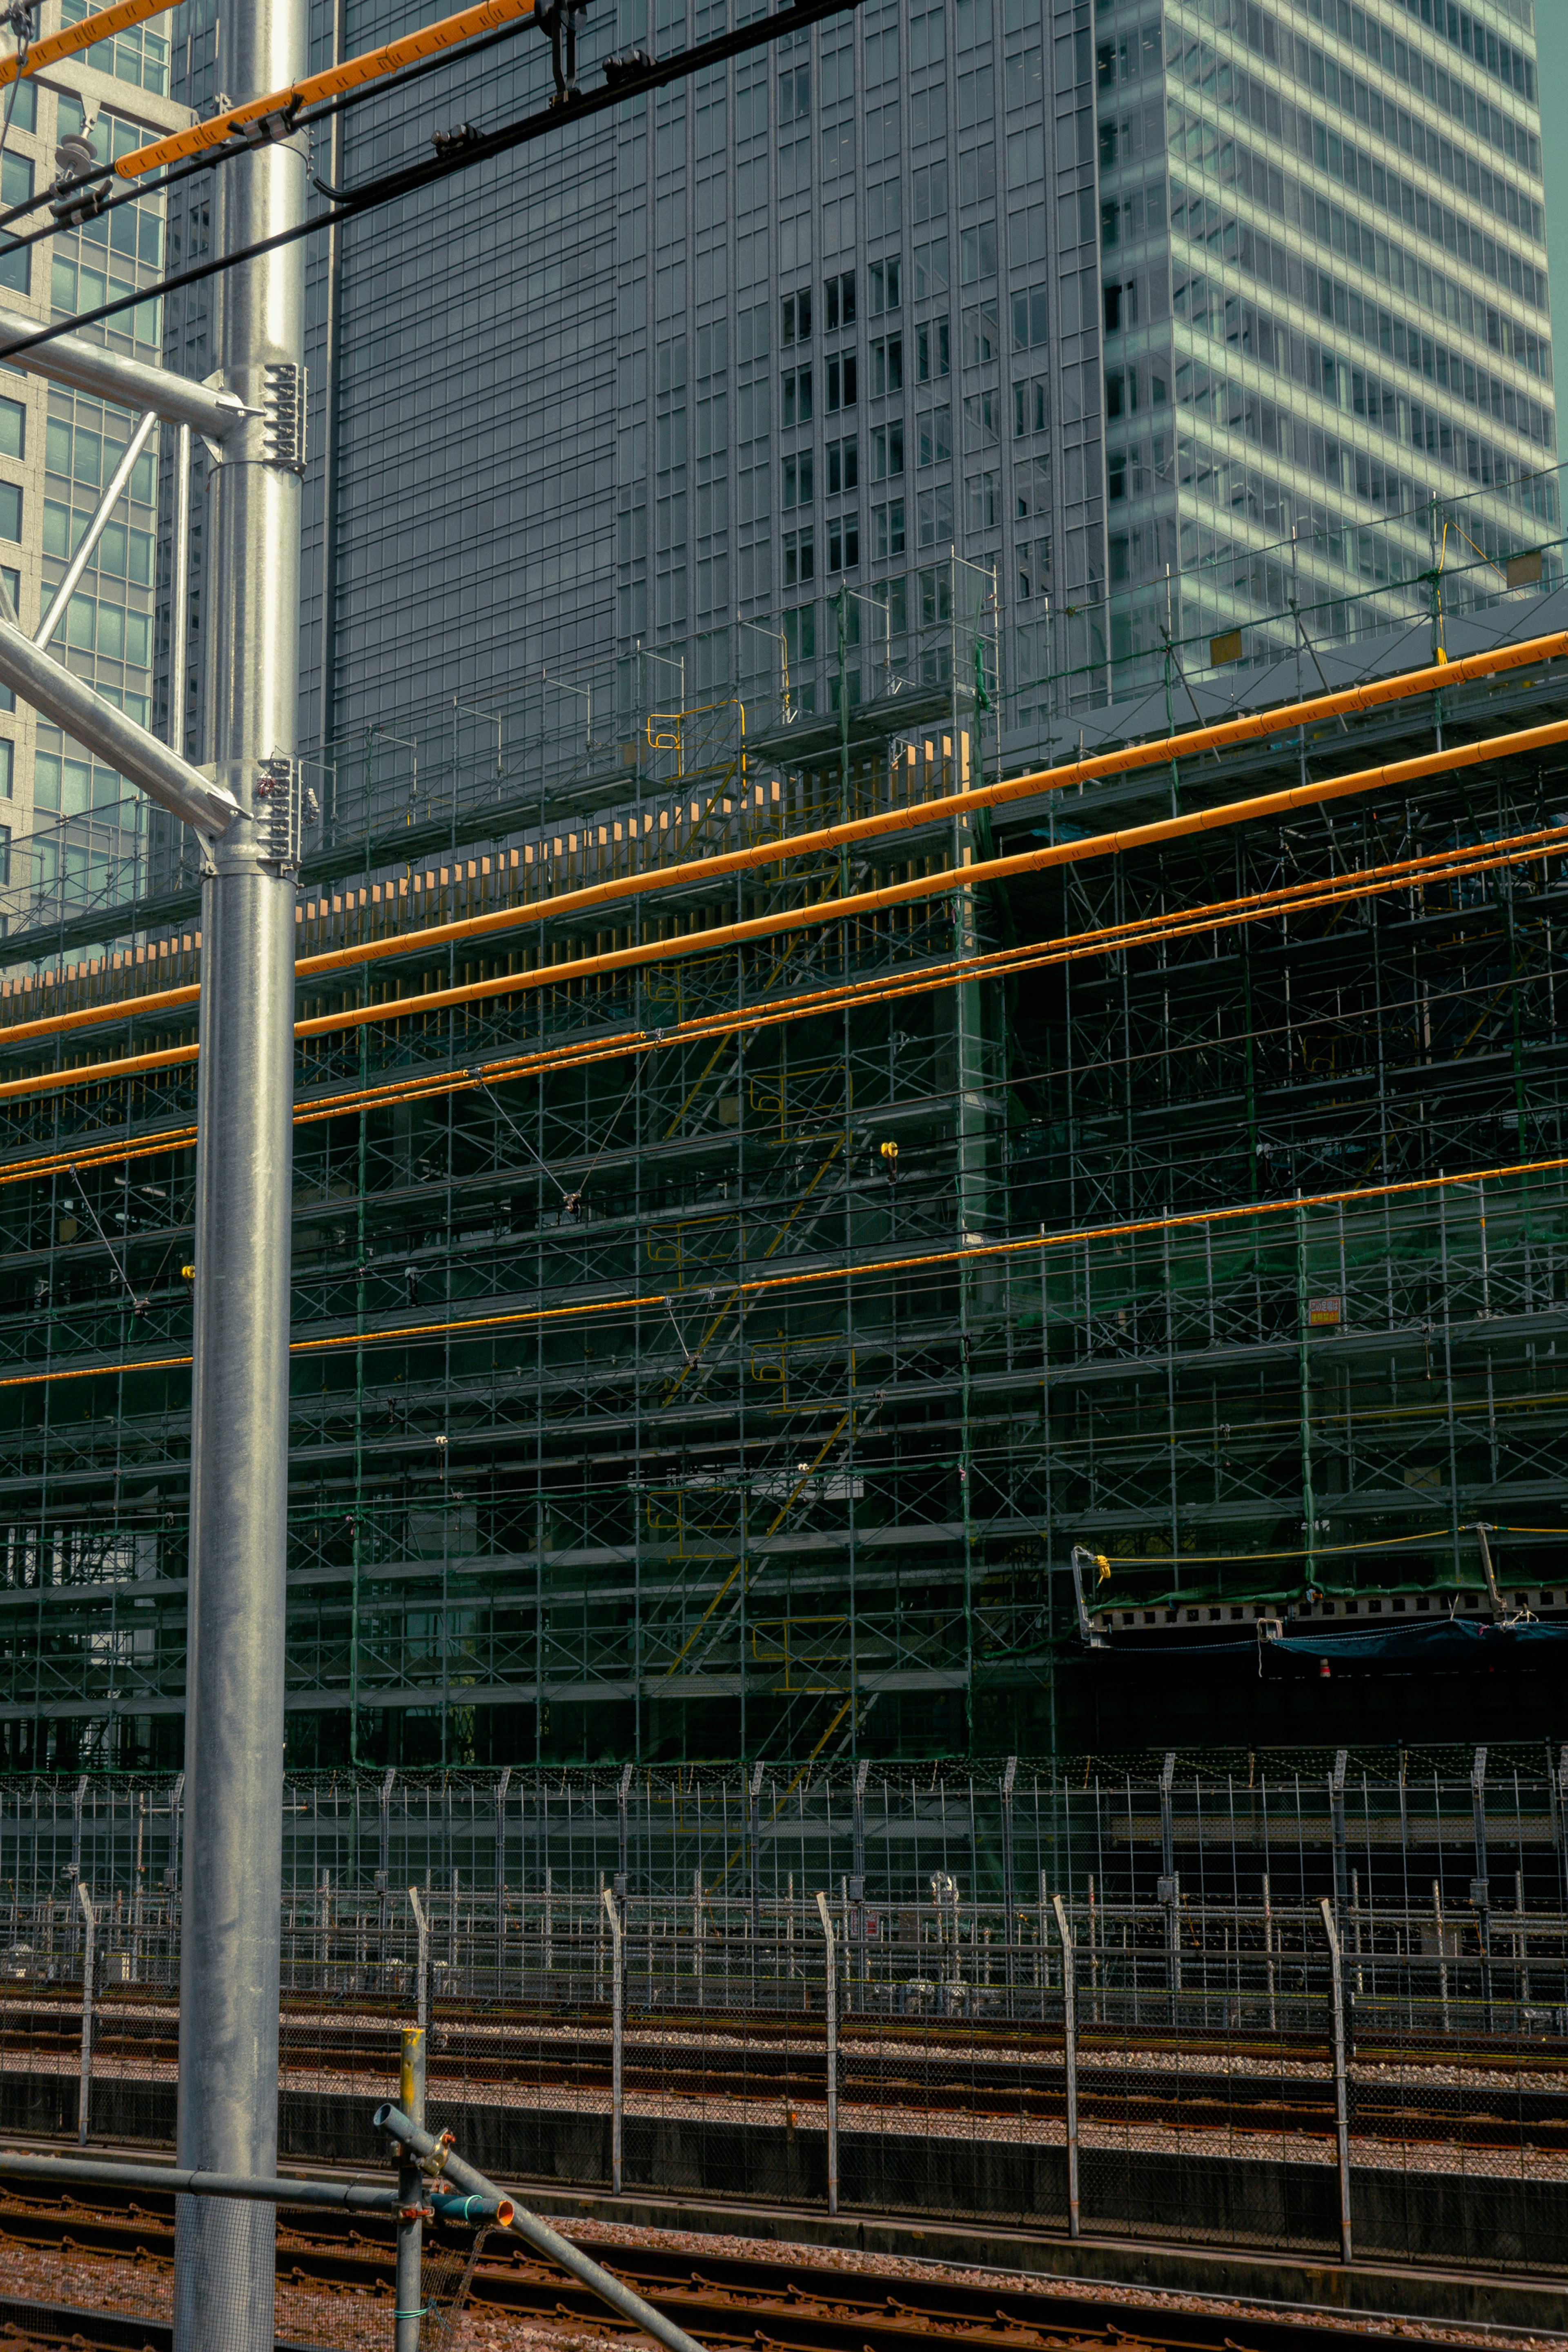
x: 1388, y: 2078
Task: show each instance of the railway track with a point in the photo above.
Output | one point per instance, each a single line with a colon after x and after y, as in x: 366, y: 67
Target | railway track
x: 1264, y: 2090
x: 371, y: 2022
x: 725, y: 2300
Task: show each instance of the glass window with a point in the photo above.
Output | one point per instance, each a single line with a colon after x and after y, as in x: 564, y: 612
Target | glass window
x: 839, y: 302
x: 795, y: 318
x: 886, y: 286
x: 844, y: 543
x: 888, y: 529
x: 934, y: 354
x: 843, y: 466
x: 842, y: 374
x: 799, y: 558
x: 887, y: 365
x: 795, y: 403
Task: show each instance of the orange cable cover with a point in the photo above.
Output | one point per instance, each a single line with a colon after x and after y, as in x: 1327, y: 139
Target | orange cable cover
x: 517, y: 1317
x: 1434, y: 866
x: 76, y: 37
x: 921, y: 812
x: 487, y: 16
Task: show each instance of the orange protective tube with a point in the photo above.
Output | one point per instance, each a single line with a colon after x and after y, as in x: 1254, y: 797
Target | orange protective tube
x: 521, y: 1318
x: 487, y: 16
x: 1401, y: 874
x: 76, y: 37
x: 921, y: 812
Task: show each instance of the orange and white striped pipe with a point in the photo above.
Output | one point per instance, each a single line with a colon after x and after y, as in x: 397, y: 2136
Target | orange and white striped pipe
x: 374, y: 64
x: 73, y: 38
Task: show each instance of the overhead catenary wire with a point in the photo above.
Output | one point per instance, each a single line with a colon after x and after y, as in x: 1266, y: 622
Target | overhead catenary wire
x: 71, y: 39
x: 459, y: 153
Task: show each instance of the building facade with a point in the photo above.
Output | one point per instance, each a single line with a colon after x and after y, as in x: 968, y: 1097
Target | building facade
x: 76, y: 836
x: 1156, y: 317
x: 733, y: 1347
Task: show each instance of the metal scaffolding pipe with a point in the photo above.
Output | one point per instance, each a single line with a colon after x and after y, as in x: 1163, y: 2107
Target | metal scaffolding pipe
x: 232, y: 1895
x: 840, y: 1270
x: 919, y: 814
x: 68, y: 2172
x: 996, y: 963
x: 536, y: 2233
x: 39, y: 679
x: 113, y: 491
x: 929, y: 886
x: 128, y: 383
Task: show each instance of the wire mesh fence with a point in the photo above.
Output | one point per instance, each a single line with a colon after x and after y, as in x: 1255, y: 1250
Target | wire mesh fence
x: 1378, y: 1825
x: 1383, y: 2078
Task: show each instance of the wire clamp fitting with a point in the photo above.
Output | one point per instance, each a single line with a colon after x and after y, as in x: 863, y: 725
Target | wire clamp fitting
x: 452, y: 142
x: 558, y: 19
x: 267, y: 129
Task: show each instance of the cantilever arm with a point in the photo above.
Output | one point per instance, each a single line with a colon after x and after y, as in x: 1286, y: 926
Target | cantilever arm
x: 140, y: 758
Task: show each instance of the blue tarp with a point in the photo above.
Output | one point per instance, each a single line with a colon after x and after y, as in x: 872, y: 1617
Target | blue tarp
x: 1448, y: 1641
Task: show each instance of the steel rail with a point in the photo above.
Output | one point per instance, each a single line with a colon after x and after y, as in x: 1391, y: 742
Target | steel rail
x: 794, y: 2300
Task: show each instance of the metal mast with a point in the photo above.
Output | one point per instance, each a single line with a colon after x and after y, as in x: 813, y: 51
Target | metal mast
x: 239, y: 1401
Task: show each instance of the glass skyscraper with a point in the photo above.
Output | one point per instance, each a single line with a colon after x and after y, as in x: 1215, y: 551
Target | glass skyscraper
x: 1105, y: 332
x: 1113, y: 305
x: 86, y: 830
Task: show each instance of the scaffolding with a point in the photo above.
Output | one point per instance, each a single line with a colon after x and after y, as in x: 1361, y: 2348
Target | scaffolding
x: 722, y: 1348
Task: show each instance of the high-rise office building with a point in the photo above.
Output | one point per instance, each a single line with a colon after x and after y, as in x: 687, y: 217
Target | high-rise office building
x: 1114, y: 305
x: 1090, y: 331
x: 85, y: 831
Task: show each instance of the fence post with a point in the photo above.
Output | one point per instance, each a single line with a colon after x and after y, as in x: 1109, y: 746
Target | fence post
x: 1341, y: 2116
x: 410, y: 2297
x: 501, y: 1787
x: 422, y: 1966
x: 89, y: 1966
x: 1069, y: 2055
x: 618, y: 2034
x: 830, y: 2011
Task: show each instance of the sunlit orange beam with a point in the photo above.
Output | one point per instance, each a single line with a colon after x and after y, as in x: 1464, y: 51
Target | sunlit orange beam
x: 765, y: 854
x: 518, y: 1319
x: 374, y: 64
x: 1434, y: 866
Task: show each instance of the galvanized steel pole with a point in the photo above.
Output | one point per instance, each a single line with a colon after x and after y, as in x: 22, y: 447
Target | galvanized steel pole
x: 240, y: 1382
x: 89, y: 1975
x: 617, y: 2037
x: 410, y: 2299
x: 1341, y: 2105
x: 1070, y: 2059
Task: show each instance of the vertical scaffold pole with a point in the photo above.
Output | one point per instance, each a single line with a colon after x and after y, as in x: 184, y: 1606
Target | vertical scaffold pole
x: 1070, y: 2058
x: 89, y: 1976
x: 1341, y: 2102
